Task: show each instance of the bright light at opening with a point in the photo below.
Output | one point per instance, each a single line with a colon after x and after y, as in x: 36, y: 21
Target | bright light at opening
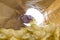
x: 36, y: 14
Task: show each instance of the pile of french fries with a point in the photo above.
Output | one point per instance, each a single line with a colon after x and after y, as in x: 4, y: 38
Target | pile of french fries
x: 34, y: 32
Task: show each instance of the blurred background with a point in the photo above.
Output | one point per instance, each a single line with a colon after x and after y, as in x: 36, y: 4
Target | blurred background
x: 10, y: 11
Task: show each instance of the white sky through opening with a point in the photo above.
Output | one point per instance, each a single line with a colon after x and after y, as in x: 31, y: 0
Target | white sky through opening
x: 38, y: 16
